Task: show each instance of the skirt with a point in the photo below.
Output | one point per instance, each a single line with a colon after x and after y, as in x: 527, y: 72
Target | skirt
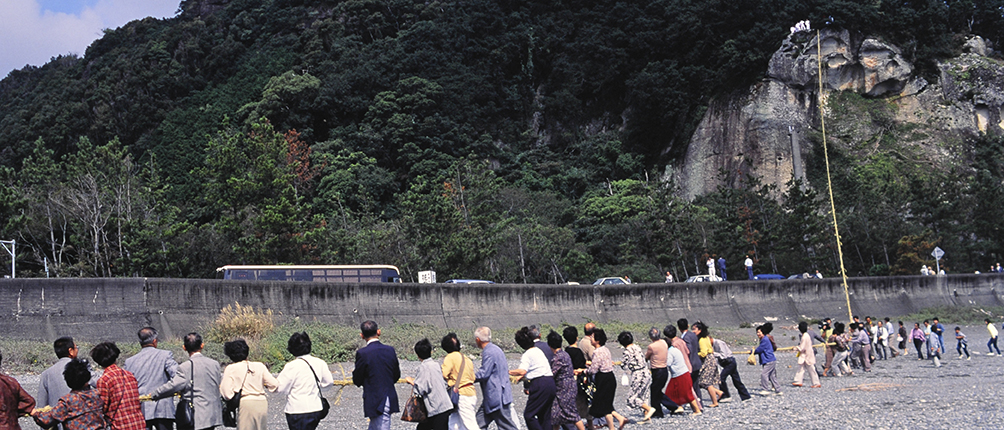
x: 681, y: 389
x: 709, y: 373
x: 603, y: 398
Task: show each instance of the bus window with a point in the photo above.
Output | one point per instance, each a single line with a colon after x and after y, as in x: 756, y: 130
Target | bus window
x: 303, y: 275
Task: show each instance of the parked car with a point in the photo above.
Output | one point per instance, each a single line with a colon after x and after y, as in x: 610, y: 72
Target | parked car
x: 766, y: 276
x: 611, y: 281
x: 703, y: 278
x: 468, y: 281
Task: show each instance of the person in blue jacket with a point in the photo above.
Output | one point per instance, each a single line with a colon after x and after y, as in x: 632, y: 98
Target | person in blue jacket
x: 493, y: 375
x: 765, y: 351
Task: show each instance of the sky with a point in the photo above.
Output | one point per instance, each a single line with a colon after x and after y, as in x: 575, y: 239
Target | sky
x: 34, y: 31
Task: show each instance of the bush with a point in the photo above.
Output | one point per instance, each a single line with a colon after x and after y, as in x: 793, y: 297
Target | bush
x: 240, y: 322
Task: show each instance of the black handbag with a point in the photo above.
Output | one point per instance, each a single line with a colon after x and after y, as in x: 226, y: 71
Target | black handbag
x: 184, y: 415
x: 325, y: 406
x: 414, y: 409
x: 231, y: 405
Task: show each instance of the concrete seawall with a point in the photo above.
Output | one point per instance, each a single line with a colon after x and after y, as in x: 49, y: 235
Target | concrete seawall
x: 114, y: 308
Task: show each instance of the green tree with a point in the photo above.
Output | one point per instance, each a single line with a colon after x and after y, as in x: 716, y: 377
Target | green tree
x: 249, y: 187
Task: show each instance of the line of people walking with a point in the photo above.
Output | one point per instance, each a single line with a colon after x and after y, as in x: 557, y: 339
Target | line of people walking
x: 569, y: 380
x: 70, y: 398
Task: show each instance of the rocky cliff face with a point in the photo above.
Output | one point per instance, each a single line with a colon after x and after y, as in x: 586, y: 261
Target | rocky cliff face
x: 765, y: 129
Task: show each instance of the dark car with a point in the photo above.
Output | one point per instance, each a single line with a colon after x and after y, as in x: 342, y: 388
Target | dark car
x: 766, y: 276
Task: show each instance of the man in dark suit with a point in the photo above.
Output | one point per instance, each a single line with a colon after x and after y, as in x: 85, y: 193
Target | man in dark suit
x: 695, y: 360
x: 377, y: 370
x: 198, y: 378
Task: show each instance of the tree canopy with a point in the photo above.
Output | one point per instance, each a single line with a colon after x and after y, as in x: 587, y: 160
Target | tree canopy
x: 519, y: 141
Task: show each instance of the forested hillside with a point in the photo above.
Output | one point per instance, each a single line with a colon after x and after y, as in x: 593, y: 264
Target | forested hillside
x: 517, y: 141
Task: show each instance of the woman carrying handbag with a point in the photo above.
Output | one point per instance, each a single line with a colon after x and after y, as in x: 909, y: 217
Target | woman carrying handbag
x: 301, y: 381
x: 247, y: 381
x: 430, y: 388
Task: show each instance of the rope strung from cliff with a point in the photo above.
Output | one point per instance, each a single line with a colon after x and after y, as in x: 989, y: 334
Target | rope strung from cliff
x: 829, y: 182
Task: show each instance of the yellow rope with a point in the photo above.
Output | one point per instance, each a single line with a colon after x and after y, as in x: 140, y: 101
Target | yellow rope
x: 787, y: 348
x: 829, y: 183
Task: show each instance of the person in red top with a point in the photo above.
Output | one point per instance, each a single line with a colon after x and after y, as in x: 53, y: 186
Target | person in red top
x: 119, y: 390
x: 14, y: 401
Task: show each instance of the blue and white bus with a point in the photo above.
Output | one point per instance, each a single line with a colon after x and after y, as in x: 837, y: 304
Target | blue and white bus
x: 341, y: 274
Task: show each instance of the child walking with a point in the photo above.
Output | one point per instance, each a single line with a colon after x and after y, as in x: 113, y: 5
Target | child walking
x: 962, y: 344
x: 992, y: 343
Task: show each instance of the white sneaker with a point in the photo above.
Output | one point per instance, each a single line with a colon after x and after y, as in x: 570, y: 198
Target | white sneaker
x: 960, y: 356
x: 725, y: 400
x: 765, y: 393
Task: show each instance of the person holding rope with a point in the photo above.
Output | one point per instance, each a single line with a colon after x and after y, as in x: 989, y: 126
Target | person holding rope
x: 768, y: 363
x: 806, y: 358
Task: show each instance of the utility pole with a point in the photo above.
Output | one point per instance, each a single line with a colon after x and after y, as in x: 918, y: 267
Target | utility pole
x: 9, y: 246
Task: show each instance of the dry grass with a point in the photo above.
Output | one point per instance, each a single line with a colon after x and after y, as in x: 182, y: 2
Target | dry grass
x: 241, y: 322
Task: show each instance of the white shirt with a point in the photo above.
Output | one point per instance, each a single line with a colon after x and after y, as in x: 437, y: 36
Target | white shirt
x: 749, y: 262
x: 992, y: 329
x: 675, y: 362
x: 534, y: 362
x: 297, y: 381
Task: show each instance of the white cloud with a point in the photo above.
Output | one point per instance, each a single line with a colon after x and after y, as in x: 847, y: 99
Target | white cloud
x: 31, y: 35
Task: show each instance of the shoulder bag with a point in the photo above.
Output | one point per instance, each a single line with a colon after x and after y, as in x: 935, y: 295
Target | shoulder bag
x: 414, y: 409
x: 184, y: 415
x: 455, y: 390
x: 231, y: 405
x: 325, y: 406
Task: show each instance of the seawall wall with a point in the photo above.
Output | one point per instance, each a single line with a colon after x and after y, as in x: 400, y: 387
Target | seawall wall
x: 114, y: 308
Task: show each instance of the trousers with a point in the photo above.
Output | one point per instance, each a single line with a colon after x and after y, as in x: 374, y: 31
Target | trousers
x: 501, y: 417
x: 658, y: 398
x: 768, y: 377
x: 729, y: 369
x: 538, y: 404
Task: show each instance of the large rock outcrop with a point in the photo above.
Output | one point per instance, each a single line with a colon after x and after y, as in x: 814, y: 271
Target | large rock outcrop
x: 870, y: 66
x: 764, y: 129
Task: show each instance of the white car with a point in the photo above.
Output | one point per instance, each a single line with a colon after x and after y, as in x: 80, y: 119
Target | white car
x: 703, y: 278
x: 611, y: 281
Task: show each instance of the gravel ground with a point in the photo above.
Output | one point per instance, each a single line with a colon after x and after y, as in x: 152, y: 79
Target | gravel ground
x: 902, y: 392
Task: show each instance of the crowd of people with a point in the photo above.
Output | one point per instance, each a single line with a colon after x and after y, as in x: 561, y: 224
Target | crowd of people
x: 139, y: 395
x: 568, y: 379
